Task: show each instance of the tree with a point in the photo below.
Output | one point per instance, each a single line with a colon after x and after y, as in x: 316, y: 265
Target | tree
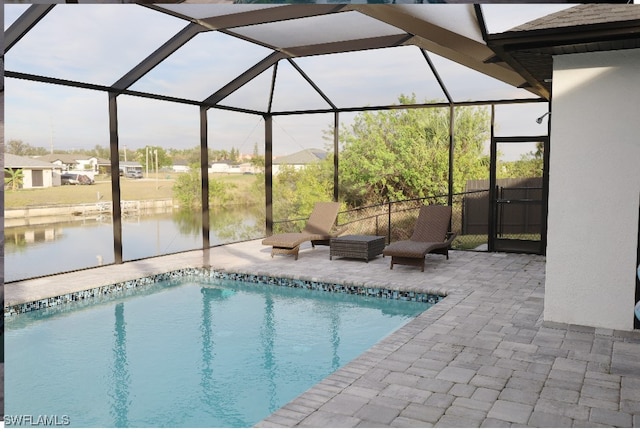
x: 100, y: 152
x: 404, y: 154
x: 295, y: 191
x: 21, y: 148
x: 188, y: 186
x: 164, y: 160
x: 528, y: 166
x: 234, y: 154
x: 14, y: 179
x: 257, y: 160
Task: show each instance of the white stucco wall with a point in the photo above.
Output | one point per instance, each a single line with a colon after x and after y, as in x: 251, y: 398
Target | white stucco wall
x: 594, y: 189
x: 27, y: 181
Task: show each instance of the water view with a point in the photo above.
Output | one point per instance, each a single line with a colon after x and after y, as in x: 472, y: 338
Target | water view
x: 81, y: 242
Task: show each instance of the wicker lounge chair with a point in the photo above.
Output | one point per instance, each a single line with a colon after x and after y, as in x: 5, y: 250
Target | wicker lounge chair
x: 318, y: 231
x: 430, y: 235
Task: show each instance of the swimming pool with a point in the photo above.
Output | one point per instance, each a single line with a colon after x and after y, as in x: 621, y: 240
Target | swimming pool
x: 193, y: 352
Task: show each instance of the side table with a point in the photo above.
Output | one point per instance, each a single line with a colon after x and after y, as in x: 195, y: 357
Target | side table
x: 356, y: 246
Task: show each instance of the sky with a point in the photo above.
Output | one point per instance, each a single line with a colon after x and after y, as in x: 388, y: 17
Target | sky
x: 64, y: 118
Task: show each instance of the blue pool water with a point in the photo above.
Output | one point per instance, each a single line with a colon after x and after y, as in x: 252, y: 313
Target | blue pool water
x: 199, y: 354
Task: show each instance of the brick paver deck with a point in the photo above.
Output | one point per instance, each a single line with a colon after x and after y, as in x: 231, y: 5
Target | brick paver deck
x: 483, y: 357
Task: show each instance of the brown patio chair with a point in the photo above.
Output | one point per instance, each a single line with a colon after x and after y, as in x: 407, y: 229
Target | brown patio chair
x: 430, y: 235
x: 318, y: 230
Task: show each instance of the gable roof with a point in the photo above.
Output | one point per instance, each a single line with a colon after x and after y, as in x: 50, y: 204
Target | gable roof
x: 130, y: 164
x: 584, y: 15
x: 303, y: 157
x: 15, y: 161
x: 66, y: 158
x: 530, y: 48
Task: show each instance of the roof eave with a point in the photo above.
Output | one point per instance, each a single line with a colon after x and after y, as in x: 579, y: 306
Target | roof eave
x: 542, y: 42
x: 544, y: 38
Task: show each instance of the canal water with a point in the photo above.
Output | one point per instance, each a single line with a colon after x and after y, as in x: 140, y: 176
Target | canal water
x: 83, y: 242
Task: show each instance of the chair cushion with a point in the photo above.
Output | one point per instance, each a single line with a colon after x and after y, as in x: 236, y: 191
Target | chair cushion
x: 286, y: 240
x: 408, y: 249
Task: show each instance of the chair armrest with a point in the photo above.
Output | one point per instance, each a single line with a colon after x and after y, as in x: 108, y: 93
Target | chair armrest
x: 450, y: 236
x: 337, y: 230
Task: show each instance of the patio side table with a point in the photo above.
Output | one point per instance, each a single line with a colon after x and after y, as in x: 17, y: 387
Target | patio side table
x: 356, y: 246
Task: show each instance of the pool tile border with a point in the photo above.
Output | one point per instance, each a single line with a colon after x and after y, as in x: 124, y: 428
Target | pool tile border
x: 106, y: 292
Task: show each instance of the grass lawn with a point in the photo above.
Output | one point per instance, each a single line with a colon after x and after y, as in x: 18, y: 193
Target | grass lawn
x: 131, y: 190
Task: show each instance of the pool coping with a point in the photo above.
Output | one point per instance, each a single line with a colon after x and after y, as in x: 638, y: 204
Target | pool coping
x: 135, y: 286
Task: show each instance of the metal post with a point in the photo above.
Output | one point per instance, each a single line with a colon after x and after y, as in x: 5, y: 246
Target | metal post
x: 336, y: 139
x: 389, y: 224
x: 155, y: 152
x: 115, y: 178
x: 451, y: 155
x: 204, y: 175
x: 492, y: 185
x: 636, y: 318
x: 268, y: 180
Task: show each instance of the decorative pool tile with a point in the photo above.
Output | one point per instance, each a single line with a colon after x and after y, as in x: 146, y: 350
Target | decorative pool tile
x: 140, y: 285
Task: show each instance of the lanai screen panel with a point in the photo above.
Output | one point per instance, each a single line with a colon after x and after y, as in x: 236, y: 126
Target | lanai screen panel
x: 158, y: 134
x: 12, y: 12
x: 227, y: 129
x: 201, y: 11
x: 254, y: 95
x: 465, y: 84
x: 59, y: 120
x: 457, y: 18
x: 294, y: 92
x: 317, y: 30
x: 90, y: 43
x: 520, y: 119
x: 201, y: 66
x: 373, y: 77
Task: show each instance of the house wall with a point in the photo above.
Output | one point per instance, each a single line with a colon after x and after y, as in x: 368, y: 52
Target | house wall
x: 594, y: 190
x: 27, y: 180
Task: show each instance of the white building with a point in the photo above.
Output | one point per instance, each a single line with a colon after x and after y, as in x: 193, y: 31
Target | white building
x: 593, y: 245
x: 35, y: 173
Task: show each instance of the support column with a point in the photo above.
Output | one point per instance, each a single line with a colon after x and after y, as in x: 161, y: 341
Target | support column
x: 492, y: 185
x: 204, y: 175
x: 336, y: 158
x: 451, y: 156
x: 268, y: 177
x: 115, y: 178
x: 546, y: 155
x: 636, y: 320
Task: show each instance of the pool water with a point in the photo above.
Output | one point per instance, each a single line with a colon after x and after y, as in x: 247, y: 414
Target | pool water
x: 199, y: 354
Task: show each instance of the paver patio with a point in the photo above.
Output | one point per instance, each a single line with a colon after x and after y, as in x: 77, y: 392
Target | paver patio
x: 482, y: 357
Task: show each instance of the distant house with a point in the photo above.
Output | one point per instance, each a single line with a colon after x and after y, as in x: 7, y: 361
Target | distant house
x: 180, y: 166
x: 299, y: 160
x: 130, y: 169
x: 249, y: 168
x: 80, y: 163
x: 224, y: 166
x: 35, y: 173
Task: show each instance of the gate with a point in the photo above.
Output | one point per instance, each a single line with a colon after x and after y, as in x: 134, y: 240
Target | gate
x: 518, y: 207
